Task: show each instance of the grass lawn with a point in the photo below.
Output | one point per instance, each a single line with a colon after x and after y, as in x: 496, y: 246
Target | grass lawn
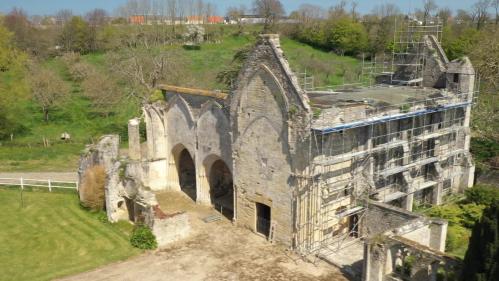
x: 52, y: 236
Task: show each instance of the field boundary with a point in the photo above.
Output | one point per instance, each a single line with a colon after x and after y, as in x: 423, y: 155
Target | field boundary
x: 46, y: 183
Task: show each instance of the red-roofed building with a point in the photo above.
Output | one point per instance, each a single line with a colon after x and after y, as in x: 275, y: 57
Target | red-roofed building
x: 137, y: 19
x: 215, y: 20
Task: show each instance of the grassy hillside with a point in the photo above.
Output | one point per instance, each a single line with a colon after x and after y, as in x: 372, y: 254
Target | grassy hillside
x: 54, y: 237
x: 27, y: 153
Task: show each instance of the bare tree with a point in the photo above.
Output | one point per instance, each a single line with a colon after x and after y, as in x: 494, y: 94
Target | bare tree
x: 48, y: 89
x: 445, y: 14
x: 353, y: 12
x: 429, y: 6
x: 271, y: 10
x: 63, y: 16
x: 142, y: 70
x: 96, y: 17
x: 102, y: 92
x: 495, y: 5
x: 386, y: 10
x: 339, y: 10
x: 480, y: 13
x: 307, y: 13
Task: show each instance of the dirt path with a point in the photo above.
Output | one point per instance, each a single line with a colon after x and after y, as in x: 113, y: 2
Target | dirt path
x: 69, y: 176
x: 214, y: 251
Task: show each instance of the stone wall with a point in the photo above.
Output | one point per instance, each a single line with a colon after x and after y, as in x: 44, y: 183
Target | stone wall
x: 171, y: 228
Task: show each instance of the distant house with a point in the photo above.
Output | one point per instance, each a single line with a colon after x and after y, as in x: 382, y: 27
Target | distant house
x: 137, y: 19
x: 251, y: 19
x: 215, y: 20
x: 194, y: 20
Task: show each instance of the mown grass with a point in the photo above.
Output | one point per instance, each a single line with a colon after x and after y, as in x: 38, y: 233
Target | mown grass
x: 52, y: 236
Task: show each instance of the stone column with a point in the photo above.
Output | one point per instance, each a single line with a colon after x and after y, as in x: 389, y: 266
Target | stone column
x: 437, y: 194
x: 438, y: 235
x: 134, y: 139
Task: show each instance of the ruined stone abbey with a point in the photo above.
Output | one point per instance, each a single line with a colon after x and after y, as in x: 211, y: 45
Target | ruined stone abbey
x: 326, y: 173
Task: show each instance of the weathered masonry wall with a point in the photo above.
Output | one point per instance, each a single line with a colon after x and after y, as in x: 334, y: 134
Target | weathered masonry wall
x: 261, y: 138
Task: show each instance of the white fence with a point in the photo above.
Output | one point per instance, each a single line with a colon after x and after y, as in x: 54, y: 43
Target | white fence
x: 50, y: 184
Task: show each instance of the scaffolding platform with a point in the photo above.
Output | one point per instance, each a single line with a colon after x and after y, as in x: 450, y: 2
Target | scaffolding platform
x: 393, y: 196
x: 399, y: 169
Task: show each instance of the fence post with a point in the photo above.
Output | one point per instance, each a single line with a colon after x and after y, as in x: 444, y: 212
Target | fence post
x: 50, y: 186
x: 22, y: 184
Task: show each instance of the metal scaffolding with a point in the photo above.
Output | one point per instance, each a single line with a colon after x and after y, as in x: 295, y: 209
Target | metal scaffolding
x: 387, y: 161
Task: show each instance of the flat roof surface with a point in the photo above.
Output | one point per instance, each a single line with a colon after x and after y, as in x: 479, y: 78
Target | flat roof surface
x: 374, y: 96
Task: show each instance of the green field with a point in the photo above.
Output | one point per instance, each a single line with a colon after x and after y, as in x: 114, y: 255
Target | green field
x: 27, y: 152
x: 52, y: 236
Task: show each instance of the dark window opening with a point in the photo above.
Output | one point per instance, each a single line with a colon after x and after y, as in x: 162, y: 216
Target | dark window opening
x: 456, y: 78
x: 263, y: 216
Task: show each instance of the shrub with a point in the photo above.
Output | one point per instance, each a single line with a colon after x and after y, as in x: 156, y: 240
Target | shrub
x: 143, y: 238
x: 92, y: 194
x: 483, y: 195
x: 457, y: 236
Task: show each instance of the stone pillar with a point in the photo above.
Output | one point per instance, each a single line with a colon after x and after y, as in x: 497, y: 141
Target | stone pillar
x: 437, y: 194
x: 409, y: 200
x: 134, y: 139
x: 438, y: 235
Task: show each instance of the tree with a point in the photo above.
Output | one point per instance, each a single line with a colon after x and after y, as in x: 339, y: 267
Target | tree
x: 142, y: 70
x: 346, y: 36
x: 97, y: 17
x: 481, y: 262
x: 495, y: 5
x: 271, y: 10
x: 48, y: 89
x: 76, y: 36
x: 102, y: 92
x: 480, y: 13
x: 63, y: 16
x: 428, y: 7
x: 14, y: 89
x: 445, y: 14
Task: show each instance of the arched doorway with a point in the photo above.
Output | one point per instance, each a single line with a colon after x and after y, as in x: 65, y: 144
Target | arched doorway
x: 221, y: 189
x: 187, y: 174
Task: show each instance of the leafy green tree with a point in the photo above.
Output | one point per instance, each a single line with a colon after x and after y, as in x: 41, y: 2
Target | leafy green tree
x: 76, y: 36
x: 346, y: 36
x: 13, y: 89
x: 481, y: 262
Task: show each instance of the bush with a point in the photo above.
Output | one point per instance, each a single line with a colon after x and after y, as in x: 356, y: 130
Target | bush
x: 482, y: 195
x: 143, y: 238
x: 92, y: 194
x: 457, y: 237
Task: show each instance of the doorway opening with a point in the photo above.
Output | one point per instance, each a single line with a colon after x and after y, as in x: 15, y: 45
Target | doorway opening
x: 187, y: 174
x: 221, y: 189
x: 263, y: 217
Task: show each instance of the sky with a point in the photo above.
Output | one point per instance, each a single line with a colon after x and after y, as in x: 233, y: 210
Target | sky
x: 48, y: 7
